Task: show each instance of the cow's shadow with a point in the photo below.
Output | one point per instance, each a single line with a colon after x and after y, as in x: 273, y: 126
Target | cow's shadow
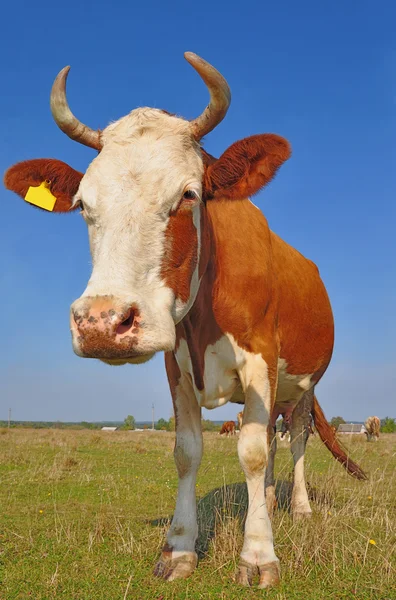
x: 232, y: 501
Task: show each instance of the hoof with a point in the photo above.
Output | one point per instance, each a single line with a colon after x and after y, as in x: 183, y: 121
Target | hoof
x: 269, y: 574
x: 175, y: 565
x: 246, y: 573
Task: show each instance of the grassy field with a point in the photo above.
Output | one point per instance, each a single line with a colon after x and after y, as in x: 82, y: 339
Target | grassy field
x: 84, y: 513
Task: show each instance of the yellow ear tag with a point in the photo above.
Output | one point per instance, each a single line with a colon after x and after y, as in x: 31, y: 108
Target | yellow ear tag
x: 41, y: 196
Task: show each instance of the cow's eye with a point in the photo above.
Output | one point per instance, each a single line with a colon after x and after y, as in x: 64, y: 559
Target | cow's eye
x: 189, y: 195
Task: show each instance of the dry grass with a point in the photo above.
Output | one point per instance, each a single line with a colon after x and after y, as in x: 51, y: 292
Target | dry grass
x: 85, y: 514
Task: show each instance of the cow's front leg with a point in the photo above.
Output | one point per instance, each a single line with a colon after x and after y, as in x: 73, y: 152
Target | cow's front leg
x: 258, y: 553
x: 178, y: 558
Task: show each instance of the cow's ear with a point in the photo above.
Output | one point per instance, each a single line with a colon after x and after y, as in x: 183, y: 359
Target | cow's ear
x: 44, y: 182
x: 246, y: 166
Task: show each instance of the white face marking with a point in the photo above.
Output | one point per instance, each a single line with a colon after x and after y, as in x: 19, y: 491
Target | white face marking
x: 149, y: 159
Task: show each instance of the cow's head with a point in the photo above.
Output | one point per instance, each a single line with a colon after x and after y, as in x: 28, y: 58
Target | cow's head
x: 142, y: 199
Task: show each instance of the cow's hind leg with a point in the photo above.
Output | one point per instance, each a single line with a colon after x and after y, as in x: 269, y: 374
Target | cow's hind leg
x: 258, y: 555
x: 301, y: 420
x: 269, y: 474
x: 178, y: 558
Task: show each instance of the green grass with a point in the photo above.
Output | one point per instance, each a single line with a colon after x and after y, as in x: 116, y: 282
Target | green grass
x: 84, y: 516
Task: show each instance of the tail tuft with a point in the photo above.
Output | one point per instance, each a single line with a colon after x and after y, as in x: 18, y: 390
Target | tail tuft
x: 328, y: 437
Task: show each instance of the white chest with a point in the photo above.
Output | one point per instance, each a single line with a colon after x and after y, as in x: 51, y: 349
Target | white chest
x: 222, y: 362
x: 224, y: 365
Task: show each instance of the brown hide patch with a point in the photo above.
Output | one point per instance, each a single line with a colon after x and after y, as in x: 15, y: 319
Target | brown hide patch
x: 173, y: 374
x: 243, y: 287
x: 64, y: 180
x: 181, y: 247
x: 260, y: 290
x: 305, y: 320
x: 197, y: 359
x: 246, y: 166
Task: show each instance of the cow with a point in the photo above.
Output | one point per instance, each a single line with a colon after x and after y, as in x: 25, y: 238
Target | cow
x: 184, y: 263
x: 228, y: 428
x: 240, y: 419
x: 372, y: 426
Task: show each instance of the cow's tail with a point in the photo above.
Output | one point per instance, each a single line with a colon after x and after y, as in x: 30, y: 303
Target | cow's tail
x: 328, y: 437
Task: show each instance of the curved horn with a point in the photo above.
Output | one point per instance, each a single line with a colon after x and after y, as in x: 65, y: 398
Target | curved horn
x: 64, y: 117
x: 220, y: 96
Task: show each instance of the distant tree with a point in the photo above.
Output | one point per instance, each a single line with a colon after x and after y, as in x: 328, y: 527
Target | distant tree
x: 208, y: 425
x: 388, y: 425
x: 129, y: 422
x: 336, y: 421
x: 171, y: 423
x: 161, y: 425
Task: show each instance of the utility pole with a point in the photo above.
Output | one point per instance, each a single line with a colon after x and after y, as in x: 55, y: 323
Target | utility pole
x: 152, y: 407
x: 9, y: 417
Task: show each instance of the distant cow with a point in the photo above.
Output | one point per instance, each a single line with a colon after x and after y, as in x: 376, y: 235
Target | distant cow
x: 372, y: 426
x: 228, y: 428
x: 334, y: 429
x: 240, y: 419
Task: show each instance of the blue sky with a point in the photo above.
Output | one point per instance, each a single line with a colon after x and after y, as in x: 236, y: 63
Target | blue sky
x: 321, y: 74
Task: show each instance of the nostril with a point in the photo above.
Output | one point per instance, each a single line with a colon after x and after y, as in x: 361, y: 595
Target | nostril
x: 77, y: 318
x: 127, y: 324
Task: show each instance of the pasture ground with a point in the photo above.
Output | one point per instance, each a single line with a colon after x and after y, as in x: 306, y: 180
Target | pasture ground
x: 84, y: 514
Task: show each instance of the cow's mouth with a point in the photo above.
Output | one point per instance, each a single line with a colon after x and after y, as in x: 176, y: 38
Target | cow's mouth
x: 131, y: 360
x: 113, y: 356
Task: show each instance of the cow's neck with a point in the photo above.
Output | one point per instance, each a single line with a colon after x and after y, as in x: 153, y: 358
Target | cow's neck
x: 231, y: 233
x: 199, y: 327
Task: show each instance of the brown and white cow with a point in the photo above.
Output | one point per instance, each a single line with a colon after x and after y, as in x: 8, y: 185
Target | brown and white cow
x: 372, y: 425
x: 227, y: 428
x: 183, y: 262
